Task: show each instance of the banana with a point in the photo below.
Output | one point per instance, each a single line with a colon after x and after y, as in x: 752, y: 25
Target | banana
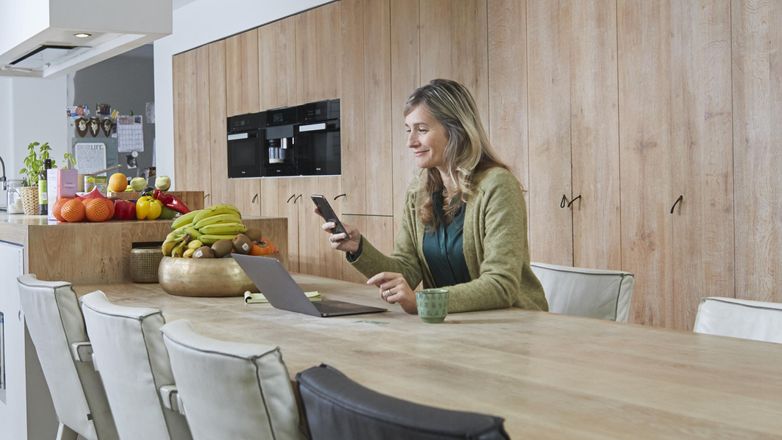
x: 216, y: 210
x: 189, y: 252
x: 179, y: 249
x: 194, y: 244
x: 192, y: 232
x: 184, y: 220
x: 168, y: 246
x: 209, y: 239
x: 219, y: 218
x: 223, y: 229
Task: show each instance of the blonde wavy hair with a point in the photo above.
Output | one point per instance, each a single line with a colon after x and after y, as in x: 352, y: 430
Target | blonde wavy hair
x: 467, y: 152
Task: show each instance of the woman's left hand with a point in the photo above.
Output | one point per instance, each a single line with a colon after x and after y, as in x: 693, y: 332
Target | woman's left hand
x: 394, y: 290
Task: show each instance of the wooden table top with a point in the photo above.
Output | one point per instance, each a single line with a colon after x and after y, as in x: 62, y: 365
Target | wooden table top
x: 549, y: 376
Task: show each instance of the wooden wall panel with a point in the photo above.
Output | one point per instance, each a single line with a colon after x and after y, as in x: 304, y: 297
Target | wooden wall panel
x: 405, y: 77
x: 549, y: 39
x: 757, y: 112
x: 318, y: 39
x: 644, y: 30
x: 276, y: 62
x: 594, y: 134
x: 702, y: 146
x: 222, y: 188
x: 182, y: 71
x: 377, y: 229
x: 241, y: 69
x: 507, y: 58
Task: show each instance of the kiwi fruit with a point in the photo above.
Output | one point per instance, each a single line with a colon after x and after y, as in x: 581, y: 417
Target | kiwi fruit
x: 222, y: 248
x: 203, y: 252
x: 242, y: 244
x: 253, y: 234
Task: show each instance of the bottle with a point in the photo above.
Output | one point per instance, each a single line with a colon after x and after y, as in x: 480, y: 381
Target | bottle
x: 43, y: 192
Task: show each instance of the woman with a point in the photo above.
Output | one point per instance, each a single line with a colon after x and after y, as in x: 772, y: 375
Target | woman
x: 464, y: 225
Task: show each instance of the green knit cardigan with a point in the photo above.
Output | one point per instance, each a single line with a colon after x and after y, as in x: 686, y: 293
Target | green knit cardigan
x: 495, y: 249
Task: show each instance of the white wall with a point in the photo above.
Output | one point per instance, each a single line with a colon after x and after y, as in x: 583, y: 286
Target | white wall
x: 195, y: 24
x: 31, y: 109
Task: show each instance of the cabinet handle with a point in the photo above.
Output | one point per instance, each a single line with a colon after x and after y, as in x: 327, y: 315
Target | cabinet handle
x: 255, y: 197
x: 289, y: 198
x: 574, y: 199
x: 678, y: 200
x: 297, y: 198
x: 206, y: 196
x: 341, y: 195
x: 563, y: 202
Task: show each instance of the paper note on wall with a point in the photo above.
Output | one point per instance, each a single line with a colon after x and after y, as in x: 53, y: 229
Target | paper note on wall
x: 130, y: 134
x: 90, y: 157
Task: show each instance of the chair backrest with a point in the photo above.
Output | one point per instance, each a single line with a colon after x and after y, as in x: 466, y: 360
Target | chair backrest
x: 337, y: 407
x: 133, y: 363
x: 592, y: 293
x: 56, y: 328
x: 231, y: 390
x: 739, y: 318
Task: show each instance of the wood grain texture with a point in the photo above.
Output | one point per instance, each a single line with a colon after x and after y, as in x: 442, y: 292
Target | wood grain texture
x: 241, y: 73
x: 757, y: 111
x: 644, y: 30
x: 405, y: 77
x: 702, y: 145
x: 315, y: 254
x: 549, y: 74
x: 276, y: 58
x: 222, y: 188
x: 560, y: 380
x: 594, y: 134
x: 377, y: 229
x: 317, y: 47
x: 507, y: 59
x: 100, y: 252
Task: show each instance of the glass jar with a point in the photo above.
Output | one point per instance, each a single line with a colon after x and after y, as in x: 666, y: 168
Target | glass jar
x: 13, y: 197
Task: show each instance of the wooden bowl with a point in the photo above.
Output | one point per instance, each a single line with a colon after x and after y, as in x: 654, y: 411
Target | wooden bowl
x: 203, y: 277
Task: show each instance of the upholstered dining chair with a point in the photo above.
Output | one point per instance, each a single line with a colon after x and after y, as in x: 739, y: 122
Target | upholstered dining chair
x: 592, y: 293
x: 56, y: 328
x: 231, y: 390
x: 338, y: 408
x: 740, y: 318
x: 133, y: 363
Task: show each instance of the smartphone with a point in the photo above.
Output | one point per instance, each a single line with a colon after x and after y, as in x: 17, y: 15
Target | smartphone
x: 328, y: 213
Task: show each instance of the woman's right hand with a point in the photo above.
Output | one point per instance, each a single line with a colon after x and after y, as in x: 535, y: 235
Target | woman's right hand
x: 346, y: 242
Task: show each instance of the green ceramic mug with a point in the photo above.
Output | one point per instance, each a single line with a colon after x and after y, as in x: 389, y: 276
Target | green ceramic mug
x: 432, y: 305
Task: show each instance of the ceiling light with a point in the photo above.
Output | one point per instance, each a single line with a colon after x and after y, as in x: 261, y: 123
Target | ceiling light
x: 82, y: 35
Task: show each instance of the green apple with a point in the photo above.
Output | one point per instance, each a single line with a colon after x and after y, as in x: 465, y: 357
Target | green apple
x: 138, y: 184
x: 163, y: 183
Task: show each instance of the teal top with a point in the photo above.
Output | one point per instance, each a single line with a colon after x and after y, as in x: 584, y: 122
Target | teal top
x: 443, y: 247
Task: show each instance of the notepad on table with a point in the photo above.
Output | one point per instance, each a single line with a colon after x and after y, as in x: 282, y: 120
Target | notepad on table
x: 258, y: 298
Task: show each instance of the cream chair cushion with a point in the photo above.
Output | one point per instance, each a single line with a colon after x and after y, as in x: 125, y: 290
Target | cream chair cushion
x: 133, y: 363
x: 231, y: 390
x: 56, y: 328
x: 592, y: 293
x: 740, y: 318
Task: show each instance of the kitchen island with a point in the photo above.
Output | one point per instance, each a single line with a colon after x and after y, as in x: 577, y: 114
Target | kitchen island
x: 80, y: 253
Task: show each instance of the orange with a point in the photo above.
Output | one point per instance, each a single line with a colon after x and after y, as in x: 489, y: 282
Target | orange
x: 118, y: 182
x: 98, y: 210
x: 264, y: 247
x: 58, y: 207
x: 72, y: 211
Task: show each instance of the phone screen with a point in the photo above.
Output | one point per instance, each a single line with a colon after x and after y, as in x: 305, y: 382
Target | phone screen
x: 328, y: 213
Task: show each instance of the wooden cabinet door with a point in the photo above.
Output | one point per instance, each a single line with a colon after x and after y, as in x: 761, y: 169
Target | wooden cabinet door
x: 377, y: 229
x: 757, y: 111
x: 366, y: 107
x: 192, y: 165
x: 241, y: 73
x: 318, y: 39
x: 276, y: 62
x: 281, y: 199
x: 315, y: 254
x: 674, y: 78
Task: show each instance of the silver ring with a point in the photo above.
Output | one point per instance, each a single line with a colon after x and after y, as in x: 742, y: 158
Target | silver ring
x: 386, y: 293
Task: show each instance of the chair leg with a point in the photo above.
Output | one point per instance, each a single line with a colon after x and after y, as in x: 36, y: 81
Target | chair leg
x: 66, y: 433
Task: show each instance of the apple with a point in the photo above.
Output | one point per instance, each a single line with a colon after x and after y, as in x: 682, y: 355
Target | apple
x: 163, y: 183
x: 138, y: 184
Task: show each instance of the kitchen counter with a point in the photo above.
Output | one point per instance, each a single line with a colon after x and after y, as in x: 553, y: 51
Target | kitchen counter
x: 99, y: 252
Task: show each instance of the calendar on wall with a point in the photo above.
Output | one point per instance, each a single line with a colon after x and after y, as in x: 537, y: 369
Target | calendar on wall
x: 130, y: 134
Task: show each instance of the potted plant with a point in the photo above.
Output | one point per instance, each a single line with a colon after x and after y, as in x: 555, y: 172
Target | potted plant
x: 37, y: 153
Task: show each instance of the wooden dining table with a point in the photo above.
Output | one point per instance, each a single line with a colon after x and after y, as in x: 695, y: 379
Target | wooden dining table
x: 549, y: 376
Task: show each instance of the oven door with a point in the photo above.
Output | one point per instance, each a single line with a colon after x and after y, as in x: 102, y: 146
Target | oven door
x: 319, y: 148
x: 245, y: 154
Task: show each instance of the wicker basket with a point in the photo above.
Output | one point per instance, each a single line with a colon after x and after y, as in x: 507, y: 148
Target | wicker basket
x: 29, y: 195
x: 144, y: 262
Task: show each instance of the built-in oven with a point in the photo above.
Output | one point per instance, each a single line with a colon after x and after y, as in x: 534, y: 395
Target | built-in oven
x: 318, y: 139
x: 245, y: 145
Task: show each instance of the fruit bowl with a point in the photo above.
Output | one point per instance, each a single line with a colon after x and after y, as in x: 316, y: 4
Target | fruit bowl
x: 203, y: 277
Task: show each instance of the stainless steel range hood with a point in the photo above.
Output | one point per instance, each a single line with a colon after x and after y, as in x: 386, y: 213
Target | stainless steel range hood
x: 48, y: 37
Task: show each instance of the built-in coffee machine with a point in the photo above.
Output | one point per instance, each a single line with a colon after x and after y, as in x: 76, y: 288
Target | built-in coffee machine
x: 292, y: 141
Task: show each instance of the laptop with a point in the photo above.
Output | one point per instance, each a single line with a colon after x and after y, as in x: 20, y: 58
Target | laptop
x: 283, y: 293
